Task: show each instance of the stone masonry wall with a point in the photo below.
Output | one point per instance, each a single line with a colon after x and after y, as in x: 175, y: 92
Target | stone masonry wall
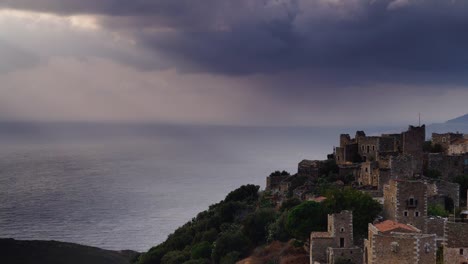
x: 398, y: 206
x: 352, y: 255
x: 448, y: 166
x: 413, y: 141
x: 318, y: 249
x: 341, y: 226
x: 402, y: 167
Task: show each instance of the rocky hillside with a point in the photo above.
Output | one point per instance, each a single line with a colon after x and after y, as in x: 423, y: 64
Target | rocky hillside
x: 53, y: 252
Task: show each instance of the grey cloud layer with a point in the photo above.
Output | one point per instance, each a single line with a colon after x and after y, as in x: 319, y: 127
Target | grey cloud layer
x: 247, y: 36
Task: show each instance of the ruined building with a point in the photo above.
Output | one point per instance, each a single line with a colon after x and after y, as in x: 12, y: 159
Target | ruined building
x: 445, y: 139
x: 337, y: 243
x: 373, y: 160
x: 458, y: 147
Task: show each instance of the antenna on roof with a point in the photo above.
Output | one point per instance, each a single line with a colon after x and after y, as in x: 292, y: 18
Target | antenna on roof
x: 419, y: 119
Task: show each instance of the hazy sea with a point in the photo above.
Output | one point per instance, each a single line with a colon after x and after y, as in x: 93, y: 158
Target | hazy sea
x: 128, y: 187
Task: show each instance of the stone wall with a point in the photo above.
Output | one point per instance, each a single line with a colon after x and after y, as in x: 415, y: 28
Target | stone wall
x: 406, y: 202
x: 448, y: 166
x: 412, y: 142
x: 456, y: 247
x: 352, y: 169
x: 402, y: 167
x: 352, y: 255
x: 458, y: 148
x: 397, y: 141
x: 345, y: 139
x: 368, y: 148
x: 456, y: 234
x: 401, y: 248
x: 436, y: 225
x: 456, y: 255
x: 340, y: 226
x: 369, y: 174
x: 445, y: 189
x: 445, y: 139
x: 426, y: 249
x: 318, y: 249
x: 273, y: 182
x: 383, y: 179
x: 387, y: 144
x: 309, y: 168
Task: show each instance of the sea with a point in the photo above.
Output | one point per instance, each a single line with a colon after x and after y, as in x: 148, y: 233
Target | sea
x: 128, y: 186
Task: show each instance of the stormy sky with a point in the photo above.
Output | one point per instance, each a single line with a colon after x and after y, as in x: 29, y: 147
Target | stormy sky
x: 234, y: 62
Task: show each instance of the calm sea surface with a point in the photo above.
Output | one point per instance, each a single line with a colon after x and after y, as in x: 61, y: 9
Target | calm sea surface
x: 121, y: 188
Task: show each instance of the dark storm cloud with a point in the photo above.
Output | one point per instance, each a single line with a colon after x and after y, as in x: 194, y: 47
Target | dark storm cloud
x: 366, y: 39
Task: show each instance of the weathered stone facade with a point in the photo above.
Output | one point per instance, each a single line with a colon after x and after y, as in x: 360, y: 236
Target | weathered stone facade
x: 448, y: 166
x: 337, y: 243
x: 401, y: 244
x: 273, y: 182
x: 412, y: 144
x: 348, y: 255
x: 445, y: 139
x: 309, y: 168
x: 441, y: 188
x: 458, y: 147
x: 406, y: 202
x: 402, y: 167
x: 456, y: 245
x: 436, y: 225
x: 377, y: 153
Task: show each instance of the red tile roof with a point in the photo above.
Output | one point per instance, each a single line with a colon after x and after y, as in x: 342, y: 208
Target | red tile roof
x: 389, y: 225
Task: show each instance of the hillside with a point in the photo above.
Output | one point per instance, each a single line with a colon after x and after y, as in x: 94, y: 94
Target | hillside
x: 458, y: 124
x: 459, y: 120
x: 54, y: 252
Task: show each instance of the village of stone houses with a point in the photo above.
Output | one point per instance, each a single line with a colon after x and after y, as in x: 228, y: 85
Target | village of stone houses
x: 408, y: 176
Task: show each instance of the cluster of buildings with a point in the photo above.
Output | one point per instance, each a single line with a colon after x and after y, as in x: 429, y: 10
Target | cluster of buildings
x: 407, y: 175
x: 405, y: 235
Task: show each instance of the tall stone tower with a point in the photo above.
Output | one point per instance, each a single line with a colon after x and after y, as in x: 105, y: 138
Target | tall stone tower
x: 340, y: 227
x: 406, y: 202
x: 412, y: 144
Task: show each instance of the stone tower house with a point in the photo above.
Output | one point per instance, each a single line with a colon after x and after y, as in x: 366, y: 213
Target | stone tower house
x: 406, y: 202
x: 340, y: 227
x: 336, y: 244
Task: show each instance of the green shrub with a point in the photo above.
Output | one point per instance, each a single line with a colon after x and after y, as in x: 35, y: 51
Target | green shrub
x: 305, y: 218
x: 256, y: 225
x: 437, y: 210
x: 201, y: 251
x: 175, y: 257
x: 231, y: 258
x: 229, y: 242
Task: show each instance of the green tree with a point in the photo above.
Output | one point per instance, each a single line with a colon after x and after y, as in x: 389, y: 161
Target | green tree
x: 201, y: 250
x: 228, y: 242
x: 247, y: 193
x: 463, y: 181
x: 305, y: 218
x: 256, y: 225
x: 328, y: 167
x: 198, y: 261
x: 175, y: 257
x: 290, y: 203
x: 364, y: 208
x: 154, y: 255
x: 231, y: 258
x: 437, y: 210
x: 432, y: 173
x: 277, y: 230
